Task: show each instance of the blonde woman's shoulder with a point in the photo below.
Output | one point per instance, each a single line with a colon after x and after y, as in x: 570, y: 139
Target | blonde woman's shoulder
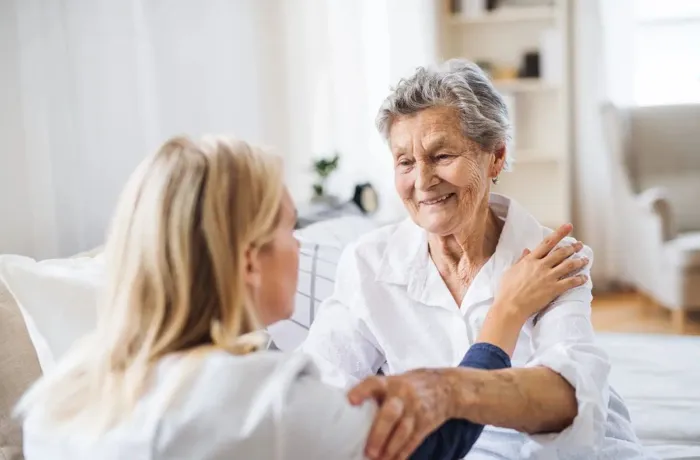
x: 261, y: 405
x: 196, y: 386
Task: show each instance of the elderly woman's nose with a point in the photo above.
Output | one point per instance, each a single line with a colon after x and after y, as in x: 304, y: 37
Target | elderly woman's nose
x: 425, y: 176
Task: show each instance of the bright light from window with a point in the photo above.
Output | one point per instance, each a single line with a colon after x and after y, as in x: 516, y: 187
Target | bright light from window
x: 656, y: 10
x: 667, y: 52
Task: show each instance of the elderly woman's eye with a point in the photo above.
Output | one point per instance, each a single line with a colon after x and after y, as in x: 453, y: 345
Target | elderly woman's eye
x: 442, y: 156
x: 404, y: 162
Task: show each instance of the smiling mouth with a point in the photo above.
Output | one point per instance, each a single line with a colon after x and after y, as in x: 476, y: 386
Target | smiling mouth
x: 438, y: 200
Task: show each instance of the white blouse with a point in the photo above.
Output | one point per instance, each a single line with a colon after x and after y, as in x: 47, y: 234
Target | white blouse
x: 392, y: 310
x: 266, y: 405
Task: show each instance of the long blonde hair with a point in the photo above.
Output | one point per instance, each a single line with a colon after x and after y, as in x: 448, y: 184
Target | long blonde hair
x: 176, y: 257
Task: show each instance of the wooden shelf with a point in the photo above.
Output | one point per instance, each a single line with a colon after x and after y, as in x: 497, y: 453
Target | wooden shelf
x: 539, y: 107
x: 508, y: 15
x: 520, y: 85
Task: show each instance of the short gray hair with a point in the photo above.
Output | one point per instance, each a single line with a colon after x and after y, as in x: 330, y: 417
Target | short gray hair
x: 456, y: 83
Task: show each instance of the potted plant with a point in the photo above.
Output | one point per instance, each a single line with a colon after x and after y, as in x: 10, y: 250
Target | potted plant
x: 323, y: 167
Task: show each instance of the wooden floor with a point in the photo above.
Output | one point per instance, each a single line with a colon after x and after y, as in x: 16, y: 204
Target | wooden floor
x: 631, y: 312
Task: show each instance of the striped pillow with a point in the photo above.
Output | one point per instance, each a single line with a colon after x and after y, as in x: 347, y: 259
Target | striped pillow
x: 317, y: 267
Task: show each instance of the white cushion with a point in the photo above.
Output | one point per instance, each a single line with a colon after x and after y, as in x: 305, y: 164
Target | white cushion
x: 57, y: 299
x: 684, y: 251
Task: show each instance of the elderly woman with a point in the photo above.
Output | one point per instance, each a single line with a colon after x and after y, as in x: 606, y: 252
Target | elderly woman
x: 416, y: 294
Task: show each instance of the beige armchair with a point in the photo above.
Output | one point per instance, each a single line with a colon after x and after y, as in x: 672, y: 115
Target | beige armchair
x: 656, y: 165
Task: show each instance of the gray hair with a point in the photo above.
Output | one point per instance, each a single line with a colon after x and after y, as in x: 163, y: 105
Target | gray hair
x: 456, y: 83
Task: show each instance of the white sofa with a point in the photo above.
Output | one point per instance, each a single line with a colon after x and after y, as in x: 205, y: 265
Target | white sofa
x: 656, y: 166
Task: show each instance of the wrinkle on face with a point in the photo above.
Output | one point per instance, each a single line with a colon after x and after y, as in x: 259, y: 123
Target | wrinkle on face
x: 433, y: 158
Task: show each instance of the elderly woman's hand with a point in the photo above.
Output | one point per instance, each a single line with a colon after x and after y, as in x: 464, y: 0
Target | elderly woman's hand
x: 529, y: 285
x: 411, y: 406
x: 540, y: 276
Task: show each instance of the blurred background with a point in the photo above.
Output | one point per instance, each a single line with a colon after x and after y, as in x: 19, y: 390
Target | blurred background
x: 604, y: 97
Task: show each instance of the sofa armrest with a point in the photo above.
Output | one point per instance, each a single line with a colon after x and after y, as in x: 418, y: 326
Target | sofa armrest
x: 654, y: 202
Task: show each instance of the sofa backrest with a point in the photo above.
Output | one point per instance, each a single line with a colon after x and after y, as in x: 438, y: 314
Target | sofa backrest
x: 664, y: 150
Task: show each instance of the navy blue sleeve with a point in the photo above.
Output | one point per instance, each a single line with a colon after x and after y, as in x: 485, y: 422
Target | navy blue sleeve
x: 455, y: 438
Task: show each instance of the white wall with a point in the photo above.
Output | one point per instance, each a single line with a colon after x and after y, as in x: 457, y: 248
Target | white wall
x: 89, y: 87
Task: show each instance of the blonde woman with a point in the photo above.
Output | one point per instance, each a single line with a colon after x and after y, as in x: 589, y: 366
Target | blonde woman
x: 202, y: 255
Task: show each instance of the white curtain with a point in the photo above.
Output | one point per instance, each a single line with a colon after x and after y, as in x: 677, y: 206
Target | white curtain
x: 603, y: 33
x: 88, y: 87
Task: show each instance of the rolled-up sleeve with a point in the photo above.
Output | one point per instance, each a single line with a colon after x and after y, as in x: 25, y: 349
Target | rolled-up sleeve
x: 563, y: 340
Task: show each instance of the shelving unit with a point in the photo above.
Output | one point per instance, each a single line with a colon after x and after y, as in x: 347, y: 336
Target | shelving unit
x: 539, y: 107
x: 521, y: 85
x: 533, y: 13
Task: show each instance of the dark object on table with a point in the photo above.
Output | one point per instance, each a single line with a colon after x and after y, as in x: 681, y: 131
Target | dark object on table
x: 364, y: 201
x: 366, y: 198
x: 491, y: 5
x: 530, y: 67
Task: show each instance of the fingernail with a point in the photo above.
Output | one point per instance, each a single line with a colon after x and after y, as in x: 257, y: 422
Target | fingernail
x: 585, y: 259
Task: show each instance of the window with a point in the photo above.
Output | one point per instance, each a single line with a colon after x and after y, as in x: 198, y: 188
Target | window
x: 667, y: 52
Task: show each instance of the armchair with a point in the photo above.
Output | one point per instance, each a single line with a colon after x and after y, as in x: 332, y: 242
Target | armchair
x: 656, y: 165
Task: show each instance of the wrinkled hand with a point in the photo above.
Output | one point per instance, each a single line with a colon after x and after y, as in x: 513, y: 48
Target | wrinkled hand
x: 542, y: 275
x: 411, y: 406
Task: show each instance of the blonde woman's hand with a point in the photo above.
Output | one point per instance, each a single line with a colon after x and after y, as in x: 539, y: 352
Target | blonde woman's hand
x: 541, y: 276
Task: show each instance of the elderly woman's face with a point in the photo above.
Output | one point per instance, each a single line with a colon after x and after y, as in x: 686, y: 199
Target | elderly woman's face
x: 441, y: 176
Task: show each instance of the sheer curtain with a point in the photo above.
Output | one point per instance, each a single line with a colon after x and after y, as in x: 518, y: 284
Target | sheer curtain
x: 603, y: 72
x: 89, y: 87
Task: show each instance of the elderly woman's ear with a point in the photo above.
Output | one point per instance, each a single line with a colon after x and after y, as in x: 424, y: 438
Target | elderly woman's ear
x: 499, y: 161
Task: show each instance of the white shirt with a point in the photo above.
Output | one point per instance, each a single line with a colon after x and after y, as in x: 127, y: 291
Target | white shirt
x: 266, y: 405
x: 392, y: 310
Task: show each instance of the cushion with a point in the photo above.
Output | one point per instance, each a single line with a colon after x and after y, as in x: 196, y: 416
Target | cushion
x: 19, y: 368
x: 57, y: 298
x: 684, y: 251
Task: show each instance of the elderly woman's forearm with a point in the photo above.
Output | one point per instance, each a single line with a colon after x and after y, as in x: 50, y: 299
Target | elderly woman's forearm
x: 502, y: 327
x: 530, y: 400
